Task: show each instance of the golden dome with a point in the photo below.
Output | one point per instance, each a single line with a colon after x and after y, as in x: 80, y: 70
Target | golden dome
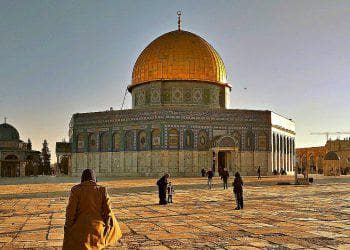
x: 179, y: 55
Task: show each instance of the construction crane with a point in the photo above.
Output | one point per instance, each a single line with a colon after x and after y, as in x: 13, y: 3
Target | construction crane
x: 330, y: 133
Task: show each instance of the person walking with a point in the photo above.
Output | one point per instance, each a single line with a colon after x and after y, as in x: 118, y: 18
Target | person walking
x: 238, y: 190
x: 90, y: 222
x: 203, y: 172
x: 259, y: 173
x: 170, y: 190
x: 162, y: 184
x: 224, y: 176
x: 210, y: 175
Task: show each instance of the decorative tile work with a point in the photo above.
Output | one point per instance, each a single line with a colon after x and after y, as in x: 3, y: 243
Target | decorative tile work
x: 155, y: 95
x: 177, y: 95
x: 188, y: 95
x: 197, y: 95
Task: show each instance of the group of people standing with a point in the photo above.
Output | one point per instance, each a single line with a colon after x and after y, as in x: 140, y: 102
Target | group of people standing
x: 166, y: 188
x: 237, y: 184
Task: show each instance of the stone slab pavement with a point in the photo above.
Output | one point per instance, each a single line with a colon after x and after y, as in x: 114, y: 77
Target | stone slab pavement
x: 275, y: 216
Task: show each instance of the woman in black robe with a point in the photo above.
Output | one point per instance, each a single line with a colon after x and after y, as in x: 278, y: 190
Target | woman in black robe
x: 162, y: 184
x: 238, y: 190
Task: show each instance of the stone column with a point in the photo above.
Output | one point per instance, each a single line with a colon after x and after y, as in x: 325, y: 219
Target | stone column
x: 279, y: 153
x: 283, y: 144
x: 216, y: 160
x: 275, y: 152
x: 22, y: 168
x: 288, y: 154
x: 70, y: 165
x: 272, y: 153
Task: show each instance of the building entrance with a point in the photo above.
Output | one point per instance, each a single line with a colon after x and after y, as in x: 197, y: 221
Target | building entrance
x: 222, y: 162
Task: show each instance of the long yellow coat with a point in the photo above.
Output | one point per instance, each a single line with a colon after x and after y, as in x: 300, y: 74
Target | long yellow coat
x: 90, y: 221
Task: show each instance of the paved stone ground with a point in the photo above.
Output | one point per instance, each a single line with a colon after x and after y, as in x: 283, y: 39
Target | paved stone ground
x: 275, y: 216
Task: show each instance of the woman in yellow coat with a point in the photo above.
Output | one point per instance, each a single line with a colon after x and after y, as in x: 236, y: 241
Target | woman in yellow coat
x: 90, y: 221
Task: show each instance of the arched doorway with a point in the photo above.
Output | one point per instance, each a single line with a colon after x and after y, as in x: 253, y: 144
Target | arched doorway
x: 10, y: 166
x: 224, y: 149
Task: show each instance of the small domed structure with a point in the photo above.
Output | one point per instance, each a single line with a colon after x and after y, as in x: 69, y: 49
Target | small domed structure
x: 331, y: 156
x: 8, y: 132
x: 332, y: 164
x: 16, y: 157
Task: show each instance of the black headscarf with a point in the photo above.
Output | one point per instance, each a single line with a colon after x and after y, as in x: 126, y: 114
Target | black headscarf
x: 237, y: 175
x: 88, y: 175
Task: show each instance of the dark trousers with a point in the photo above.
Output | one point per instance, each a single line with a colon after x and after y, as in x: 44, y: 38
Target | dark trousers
x: 225, y: 184
x: 170, y: 198
x: 239, y: 199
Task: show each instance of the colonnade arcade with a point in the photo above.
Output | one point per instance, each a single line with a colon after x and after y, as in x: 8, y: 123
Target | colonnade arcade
x: 283, y: 153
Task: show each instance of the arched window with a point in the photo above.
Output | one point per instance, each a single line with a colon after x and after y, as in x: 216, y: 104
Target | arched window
x: 203, y: 140
x: 129, y: 140
x: 262, y: 141
x: 116, y: 141
x: 249, y: 143
x: 155, y: 139
x: 104, y: 142
x: 237, y: 137
x: 92, y: 142
x: 80, y: 143
x: 142, y: 140
x: 173, y: 138
x: 188, y: 140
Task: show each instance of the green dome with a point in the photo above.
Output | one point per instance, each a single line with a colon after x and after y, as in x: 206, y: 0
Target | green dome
x: 8, y: 132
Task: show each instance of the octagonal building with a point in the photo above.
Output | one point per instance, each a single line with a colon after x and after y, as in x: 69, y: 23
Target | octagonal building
x: 180, y: 121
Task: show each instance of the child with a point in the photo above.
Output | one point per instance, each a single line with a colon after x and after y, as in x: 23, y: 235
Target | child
x: 170, y: 190
x: 238, y: 190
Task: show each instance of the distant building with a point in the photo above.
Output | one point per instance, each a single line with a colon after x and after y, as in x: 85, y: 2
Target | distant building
x: 180, y: 121
x: 16, y: 157
x: 312, y: 159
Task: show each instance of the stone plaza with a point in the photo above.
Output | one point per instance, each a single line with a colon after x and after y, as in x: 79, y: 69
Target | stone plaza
x: 32, y: 214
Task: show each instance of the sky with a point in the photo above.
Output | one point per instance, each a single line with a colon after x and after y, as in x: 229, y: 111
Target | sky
x: 63, y: 57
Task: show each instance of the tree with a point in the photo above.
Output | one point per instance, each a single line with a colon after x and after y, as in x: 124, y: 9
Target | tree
x: 29, y: 144
x: 45, y: 167
x: 64, y: 165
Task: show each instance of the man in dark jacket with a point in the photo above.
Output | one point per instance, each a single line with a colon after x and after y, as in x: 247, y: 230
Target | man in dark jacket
x: 162, y: 184
x: 224, y: 176
x: 210, y: 175
x: 238, y: 190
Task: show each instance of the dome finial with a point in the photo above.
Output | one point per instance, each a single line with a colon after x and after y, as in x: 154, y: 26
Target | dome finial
x: 5, y: 119
x: 179, y: 20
